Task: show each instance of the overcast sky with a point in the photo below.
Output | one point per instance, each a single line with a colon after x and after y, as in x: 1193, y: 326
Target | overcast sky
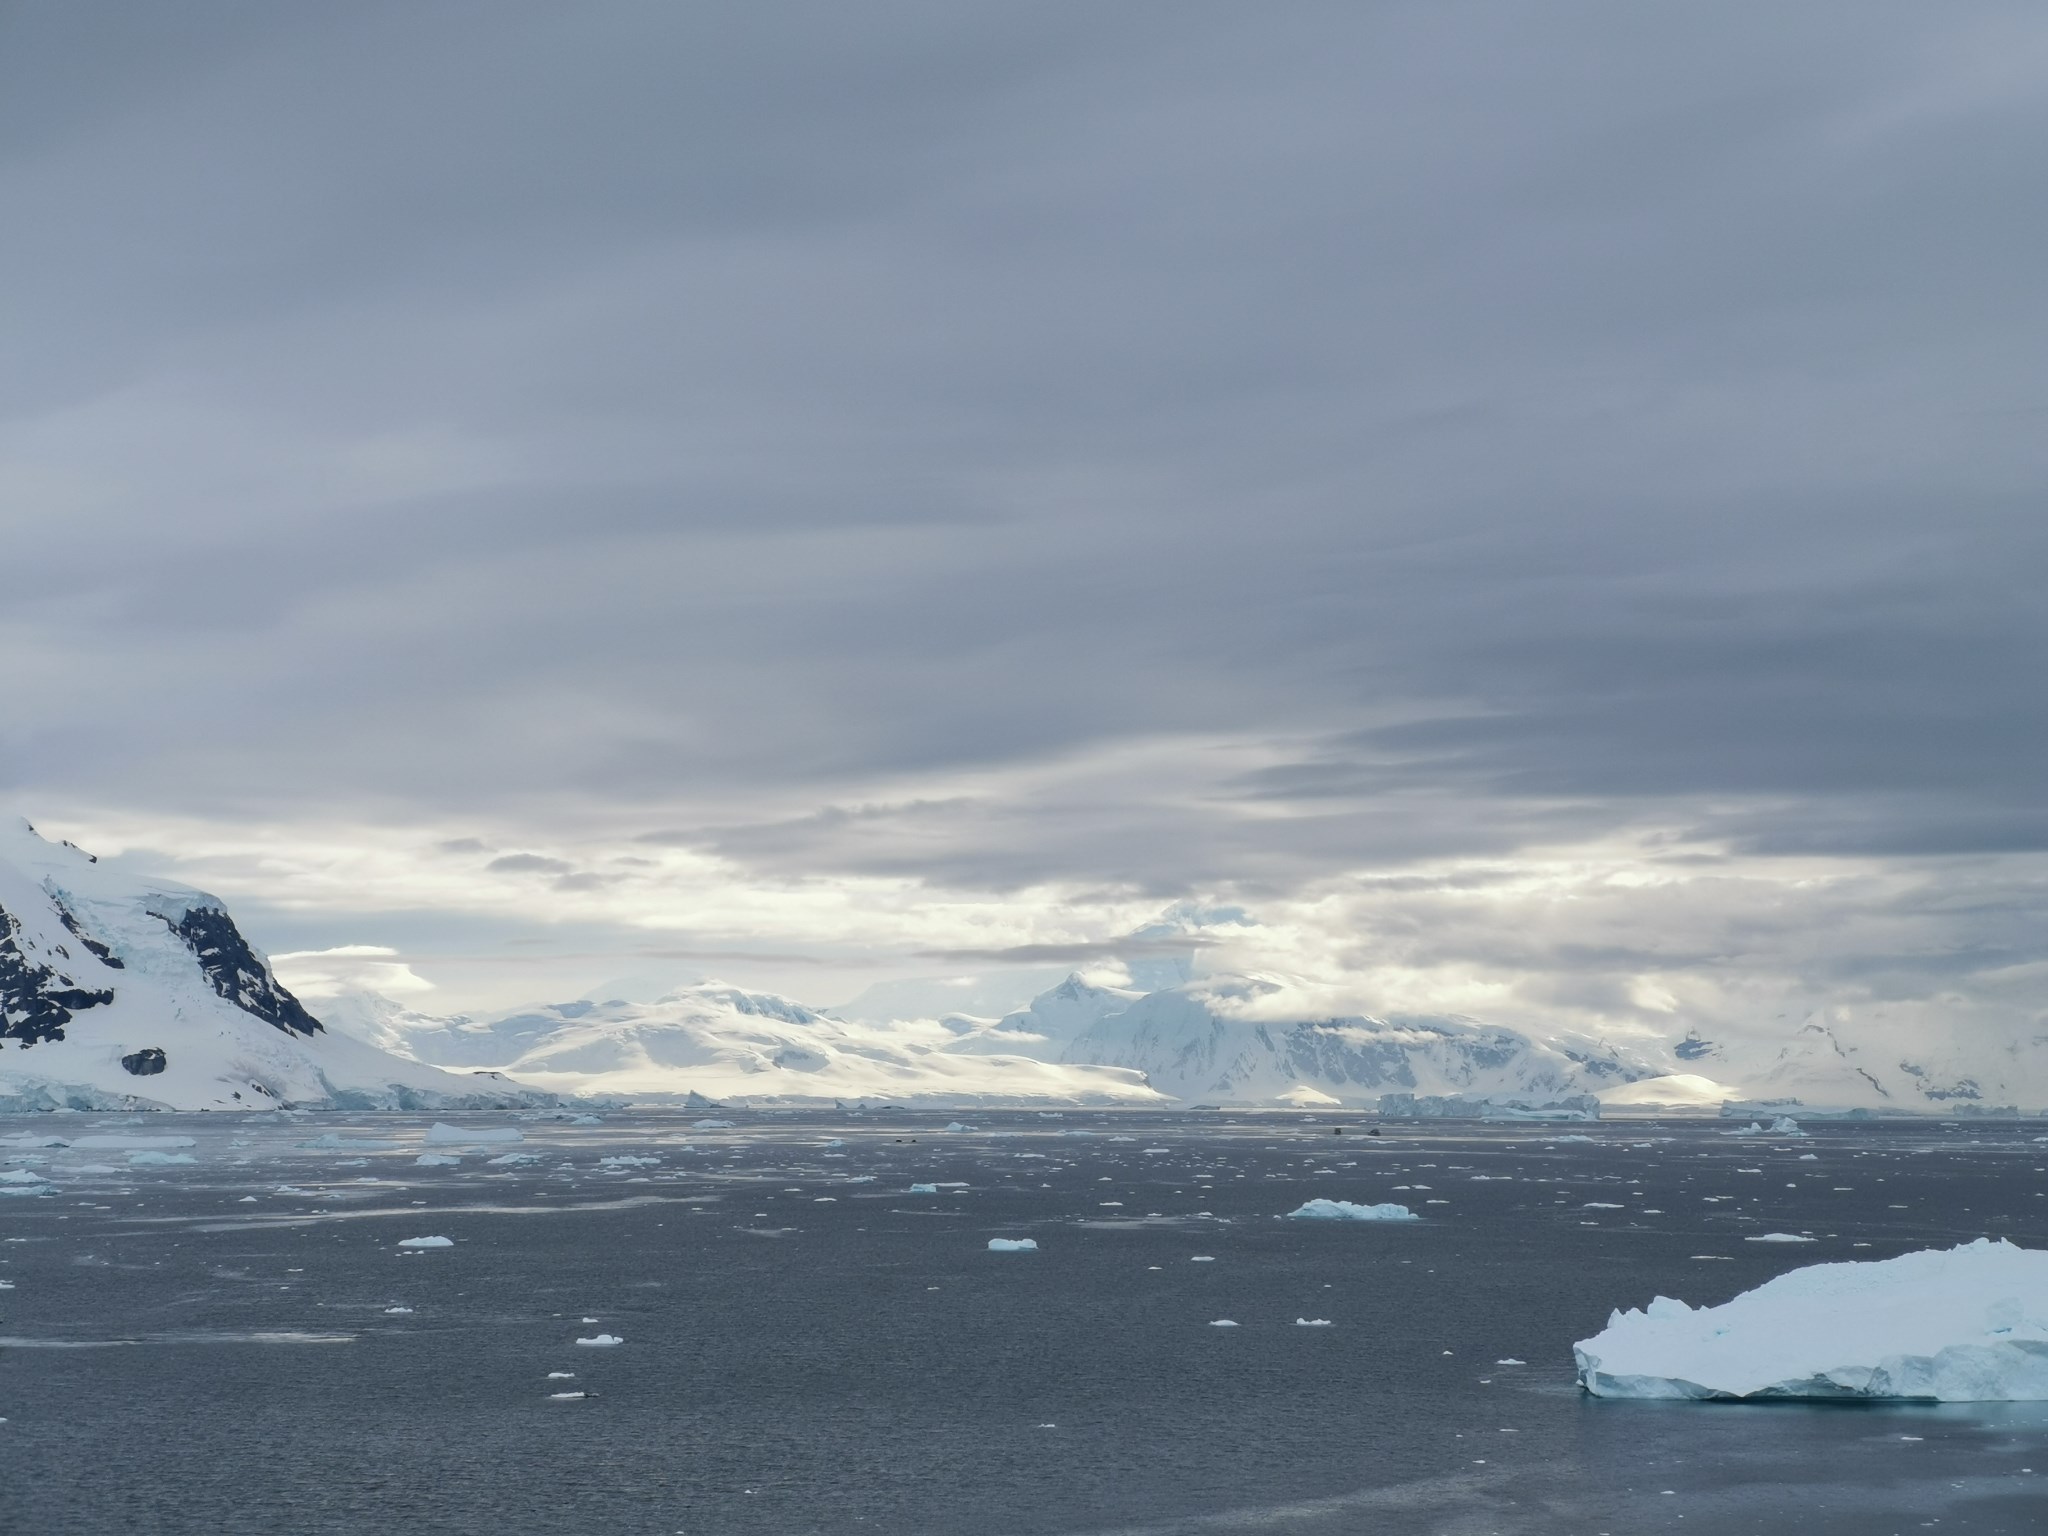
x: 1542, y: 506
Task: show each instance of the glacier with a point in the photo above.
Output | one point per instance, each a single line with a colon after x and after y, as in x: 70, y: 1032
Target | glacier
x: 1964, y: 1324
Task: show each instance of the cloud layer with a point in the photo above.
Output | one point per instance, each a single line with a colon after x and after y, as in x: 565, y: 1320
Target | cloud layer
x: 942, y: 477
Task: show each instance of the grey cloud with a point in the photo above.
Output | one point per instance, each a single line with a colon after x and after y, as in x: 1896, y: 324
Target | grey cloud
x: 529, y: 863
x: 644, y: 416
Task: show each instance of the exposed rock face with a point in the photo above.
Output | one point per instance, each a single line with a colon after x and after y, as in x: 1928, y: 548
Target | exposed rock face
x: 36, y: 998
x: 146, y: 1062
x: 236, y: 974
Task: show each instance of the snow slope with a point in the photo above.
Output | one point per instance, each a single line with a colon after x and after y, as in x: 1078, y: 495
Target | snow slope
x: 1966, y: 1324
x: 722, y: 1043
x: 1228, y: 1039
x: 119, y: 993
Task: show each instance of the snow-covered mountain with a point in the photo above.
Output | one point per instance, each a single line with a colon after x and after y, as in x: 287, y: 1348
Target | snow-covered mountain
x: 1222, y: 1040
x: 118, y: 993
x: 1884, y: 1064
x: 721, y: 1042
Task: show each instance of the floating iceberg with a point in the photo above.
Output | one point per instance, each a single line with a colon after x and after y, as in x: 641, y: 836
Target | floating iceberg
x: 426, y: 1242
x: 602, y: 1341
x: 1965, y: 1324
x: 924, y: 1189
x: 1344, y: 1210
x: 1012, y: 1245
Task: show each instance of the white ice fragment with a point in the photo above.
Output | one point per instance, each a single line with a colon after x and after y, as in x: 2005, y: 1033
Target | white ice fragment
x: 711, y: 1125
x: 1313, y: 1322
x: 159, y: 1159
x: 924, y: 1189
x: 1344, y: 1210
x: 1965, y: 1324
x: 436, y: 1160
x: 1222, y: 1322
x: 1012, y: 1245
x: 122, y: 1141
x: 602, y: 1341
x: 398, y: 1311
x: 1777, y: 1237
x: 426, y: 1242
x: 568, y: 1397
x: 22, y: 1176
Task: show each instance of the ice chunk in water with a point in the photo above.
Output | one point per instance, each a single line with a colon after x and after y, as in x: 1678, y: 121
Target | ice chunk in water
x: 1012, y: 1245
x: 1345, y: 1210
x: 1966, y: 1324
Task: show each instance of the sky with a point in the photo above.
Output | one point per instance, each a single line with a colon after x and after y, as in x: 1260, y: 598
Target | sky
x: 1538, y: 508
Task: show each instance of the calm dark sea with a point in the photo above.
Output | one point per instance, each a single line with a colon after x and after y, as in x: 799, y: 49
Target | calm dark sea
x: 811, y: 1348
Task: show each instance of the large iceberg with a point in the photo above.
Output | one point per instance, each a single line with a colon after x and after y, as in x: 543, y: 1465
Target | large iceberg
x: 1345, y: 1210
x: 1965, y: 1324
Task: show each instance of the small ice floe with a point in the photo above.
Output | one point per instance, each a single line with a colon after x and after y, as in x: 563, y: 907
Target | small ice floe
x: 510, y: 1159
x: 924, y: 1189
x: 1601, y: 1205
x: 711, y: 1125
x: 602, y: 1341
x: 629, y: 1162
x: 1013, y: 1245
x: 1313, y: 1322
x: 437, y: 1160
x: 121, y: 1141
x: 1202, y: 1258
x: 1222, y: 1322
x: 567, y: 1397
x: 1964, y: 1324
x: 22, y: 1176
x: 1511, y: 1360
x: 426, y: 1242
x: 1345, y: 1210
x: 159, y: 1159
x: 246, y: 1200
x: 955, y: 1125
x: 561, y: 1375
x: 1778, y: 1237
x: 440, y: 1134
x: 398, y: 1311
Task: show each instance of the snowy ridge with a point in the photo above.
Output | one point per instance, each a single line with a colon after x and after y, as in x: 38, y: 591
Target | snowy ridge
x: 1217, y: 1040
x: 125, y: 993
x: 722, y: 1042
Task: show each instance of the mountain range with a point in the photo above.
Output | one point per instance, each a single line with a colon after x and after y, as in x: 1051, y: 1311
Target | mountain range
x: 118, y: 992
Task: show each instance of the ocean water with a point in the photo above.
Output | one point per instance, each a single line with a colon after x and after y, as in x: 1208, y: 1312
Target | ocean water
x: 810, y: 1348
